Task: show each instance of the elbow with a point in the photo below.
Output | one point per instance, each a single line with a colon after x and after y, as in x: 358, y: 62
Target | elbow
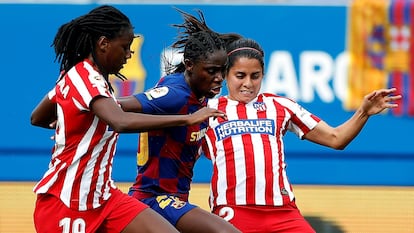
x: 38, y: 122
x: 34, y: 121
x: 119, y: 127
x: 338, y: 145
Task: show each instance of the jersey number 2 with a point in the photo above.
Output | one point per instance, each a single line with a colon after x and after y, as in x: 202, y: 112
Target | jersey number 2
x: 227, y: 213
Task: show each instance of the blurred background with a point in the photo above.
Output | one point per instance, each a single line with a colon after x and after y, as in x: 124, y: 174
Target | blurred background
x: 324, y: 54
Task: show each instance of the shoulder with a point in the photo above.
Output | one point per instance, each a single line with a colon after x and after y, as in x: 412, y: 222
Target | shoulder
x: 176, y: 79
x: 170, y: 86
x: 84, y: 70
x: 215, y: 102
x: 274, y: 97
x: 175, y: 83
x: 280, y: 102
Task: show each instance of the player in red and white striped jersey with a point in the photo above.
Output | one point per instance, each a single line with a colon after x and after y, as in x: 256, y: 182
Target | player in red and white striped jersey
x: 77, y: 193
x: 249, y: 183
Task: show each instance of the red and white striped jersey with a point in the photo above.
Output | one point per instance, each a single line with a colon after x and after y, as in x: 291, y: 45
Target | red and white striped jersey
x: 81, y: 165
x: 247, y: 149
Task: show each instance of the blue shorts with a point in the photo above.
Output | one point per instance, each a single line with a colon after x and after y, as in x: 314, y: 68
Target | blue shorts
x: 169, y: 206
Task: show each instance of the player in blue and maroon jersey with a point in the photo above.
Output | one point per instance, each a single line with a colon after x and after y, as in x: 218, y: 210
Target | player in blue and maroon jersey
x: 166, y: 157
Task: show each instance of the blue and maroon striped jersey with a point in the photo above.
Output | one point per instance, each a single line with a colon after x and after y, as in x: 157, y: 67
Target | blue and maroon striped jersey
x: 166, y: 157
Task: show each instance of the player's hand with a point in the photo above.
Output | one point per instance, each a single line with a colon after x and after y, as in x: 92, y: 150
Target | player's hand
x: 203, y: 114
x: 378, y: 100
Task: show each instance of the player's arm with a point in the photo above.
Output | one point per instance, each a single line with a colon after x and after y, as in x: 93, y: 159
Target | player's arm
x: 130, y: 104
x: 339, y: 137
x: 44, y: 113
x: 160, y: 100
x: 120, y: 121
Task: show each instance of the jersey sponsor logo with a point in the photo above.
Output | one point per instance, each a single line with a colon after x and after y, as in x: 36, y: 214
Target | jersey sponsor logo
x: 156, y: 92
x: 237, y: 127
x: 196, y: 136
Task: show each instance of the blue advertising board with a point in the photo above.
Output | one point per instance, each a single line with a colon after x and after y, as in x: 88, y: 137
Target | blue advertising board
x: 305, y: 59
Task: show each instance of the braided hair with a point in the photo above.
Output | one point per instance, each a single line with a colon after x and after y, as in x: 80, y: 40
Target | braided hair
x: 76, y: 40
x: 195, y: 41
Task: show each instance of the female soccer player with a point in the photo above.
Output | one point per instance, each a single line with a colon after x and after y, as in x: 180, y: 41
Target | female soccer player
x: 249, y: 184
x: 77, y: 193
x: 166, y: 157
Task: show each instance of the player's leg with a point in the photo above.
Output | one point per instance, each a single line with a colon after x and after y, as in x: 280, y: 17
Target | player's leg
x: 186, y: 217
x: 149, y: 221
x: 202, y: 221
x: 128, y: 215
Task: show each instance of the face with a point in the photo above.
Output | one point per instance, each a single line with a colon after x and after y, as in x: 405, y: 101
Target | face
x: 206, y: 76
x: 244, y: 79
x: 117, y: 51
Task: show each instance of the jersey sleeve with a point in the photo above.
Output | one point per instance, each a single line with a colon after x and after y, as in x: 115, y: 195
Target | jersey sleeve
x: 88, y: 84
x: 52, y: 95
x: 163, y: 100
x: 302, y: 121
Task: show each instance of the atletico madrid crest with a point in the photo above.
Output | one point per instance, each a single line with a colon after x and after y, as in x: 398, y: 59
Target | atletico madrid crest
x: 259, y: 106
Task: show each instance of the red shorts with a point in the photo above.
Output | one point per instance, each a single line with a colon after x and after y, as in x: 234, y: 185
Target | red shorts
x: 51, y: 215
x: 265, y: 218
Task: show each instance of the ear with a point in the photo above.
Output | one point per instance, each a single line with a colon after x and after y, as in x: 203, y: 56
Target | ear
x: 103, y: 43
x: 188, y: 64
